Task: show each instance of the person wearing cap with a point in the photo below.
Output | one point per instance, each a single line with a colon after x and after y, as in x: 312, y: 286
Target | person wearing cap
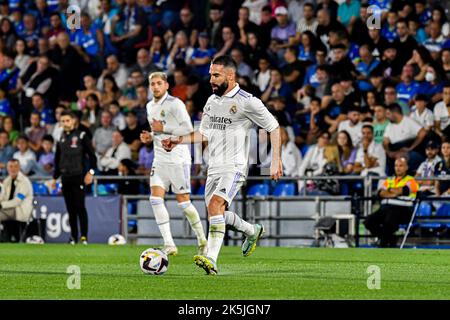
x: 421, y: 114
x: 284, y: 28
x: 428, y: 167
x: 202, y: 55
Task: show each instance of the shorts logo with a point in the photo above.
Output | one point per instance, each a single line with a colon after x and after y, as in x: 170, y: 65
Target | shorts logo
x: 223, y: 190
x: 182, y: 188
x: 163, y: 114
x: 233, y: 110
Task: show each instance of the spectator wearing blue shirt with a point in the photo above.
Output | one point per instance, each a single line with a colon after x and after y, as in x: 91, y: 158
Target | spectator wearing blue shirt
x: 158, y: 54
x: 53, y: 5
x: 88, y: 37
x: 417, y: 31
x: 389, y: 31
x: 14, y: 5
x: 103, y: 23
x: 42, y: 15
x: 307, y: 48
x: 201, y: 57
x: 367, y: 64
x: 6, y: 151
x: 277, y: 87
x: 407, y: 88
x: 46, y: 114
x: 436, y: 40
x: 9, y: 73
x: 5, y: 105
x: 30, y: 33
x: 433, y: 85
x: 422, y: 12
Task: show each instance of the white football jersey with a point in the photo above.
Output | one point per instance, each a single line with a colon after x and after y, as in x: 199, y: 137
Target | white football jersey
x: 175, y: 118
x: 227, y: 122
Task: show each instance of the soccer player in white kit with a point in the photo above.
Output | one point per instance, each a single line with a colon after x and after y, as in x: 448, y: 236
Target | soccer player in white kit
x: 228, y: 116
x: 167, y: 115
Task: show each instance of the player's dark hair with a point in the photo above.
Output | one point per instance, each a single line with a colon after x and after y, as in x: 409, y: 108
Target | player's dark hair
x: 49, y: 138
x: 225, y: 61
x: 368, y: 126
x: 395, y: 107
x: 68, y: 113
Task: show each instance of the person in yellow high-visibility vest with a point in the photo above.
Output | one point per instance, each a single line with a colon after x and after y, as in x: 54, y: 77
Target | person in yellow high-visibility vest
x: 398, y: 194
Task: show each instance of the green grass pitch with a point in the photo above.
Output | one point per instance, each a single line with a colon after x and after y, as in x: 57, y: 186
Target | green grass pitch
x: 107, y: 272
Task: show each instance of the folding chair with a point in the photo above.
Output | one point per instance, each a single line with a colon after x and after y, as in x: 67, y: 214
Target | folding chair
x: 33, y: 216
x: 416, y: 207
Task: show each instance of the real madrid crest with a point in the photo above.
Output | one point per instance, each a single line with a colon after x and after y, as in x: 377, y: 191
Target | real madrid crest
x: 233, y: 110
x: 163, y: 114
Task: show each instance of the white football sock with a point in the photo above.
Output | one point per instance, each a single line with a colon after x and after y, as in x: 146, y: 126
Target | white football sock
x: 193, y: 217
x: 215, y: 236
x: 232, y: 219
x: 162, y: 219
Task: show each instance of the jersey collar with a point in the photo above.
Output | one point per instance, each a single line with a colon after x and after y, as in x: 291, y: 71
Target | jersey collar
x: 233, y: 92
x: 163, y: 98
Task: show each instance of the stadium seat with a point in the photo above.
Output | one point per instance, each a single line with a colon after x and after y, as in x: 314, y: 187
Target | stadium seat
x: 57, y: 190
x: 284, y: 189
x: 425, y: 211
x: 201, y: 190
x: 259, y: 189
x: 443, y: 211
x: 40, y: 189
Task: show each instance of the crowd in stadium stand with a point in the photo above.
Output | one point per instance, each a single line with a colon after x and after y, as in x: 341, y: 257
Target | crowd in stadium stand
x: 353, y: 87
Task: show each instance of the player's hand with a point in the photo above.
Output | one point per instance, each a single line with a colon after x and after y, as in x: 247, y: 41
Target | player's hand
x: 157, y: 126
x: 170, y: 143
x: 146, y: 137
x: 276, y: 170
x: 88, y: 179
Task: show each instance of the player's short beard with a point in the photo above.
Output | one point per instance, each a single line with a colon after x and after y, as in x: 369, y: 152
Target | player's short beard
x: 220, y: 89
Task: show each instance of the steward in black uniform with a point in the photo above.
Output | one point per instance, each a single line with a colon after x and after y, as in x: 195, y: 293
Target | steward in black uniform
x: 72, y: 151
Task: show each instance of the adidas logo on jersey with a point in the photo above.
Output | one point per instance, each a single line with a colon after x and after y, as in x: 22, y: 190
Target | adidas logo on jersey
x: 223, y: 190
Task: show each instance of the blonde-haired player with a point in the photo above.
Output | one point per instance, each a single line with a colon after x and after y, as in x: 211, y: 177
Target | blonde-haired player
x: 167, y: 116
x: 228, y: 117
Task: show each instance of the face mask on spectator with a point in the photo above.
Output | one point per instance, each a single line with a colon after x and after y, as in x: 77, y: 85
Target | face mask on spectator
x: 429, y: 76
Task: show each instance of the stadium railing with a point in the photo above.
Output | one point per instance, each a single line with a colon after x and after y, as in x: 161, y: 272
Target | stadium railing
x: 361, y: 204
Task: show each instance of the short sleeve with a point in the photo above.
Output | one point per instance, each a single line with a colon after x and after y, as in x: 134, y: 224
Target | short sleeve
x: 257, y: 112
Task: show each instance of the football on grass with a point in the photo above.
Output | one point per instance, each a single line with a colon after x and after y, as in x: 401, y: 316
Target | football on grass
x: 153, y: 261
x: 116, y: 240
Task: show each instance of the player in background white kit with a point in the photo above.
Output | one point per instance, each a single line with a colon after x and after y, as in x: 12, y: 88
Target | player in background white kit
x: 228, y: 117
x: 167, y: 115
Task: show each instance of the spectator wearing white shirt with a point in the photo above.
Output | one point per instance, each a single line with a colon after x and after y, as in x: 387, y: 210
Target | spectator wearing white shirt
x: 261, y: 77
x: 352, y: 125
x: 26, y: 157
x: 421, y: 114
x: 117, y: 70
x: 308, y: 22
x: 427, y: 168
x: 255, y: 7
x: 370, y: 157
x: 402, y: 138
x: 290, y: 155
x: 314, y: 160
x: 119, y: 150
x: 442, y: 113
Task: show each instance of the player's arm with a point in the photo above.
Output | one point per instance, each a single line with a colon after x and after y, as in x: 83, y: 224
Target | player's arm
x: 183, y: 125
x: 276, y: 168
x: 191, y: 138
x: 257, y: 112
